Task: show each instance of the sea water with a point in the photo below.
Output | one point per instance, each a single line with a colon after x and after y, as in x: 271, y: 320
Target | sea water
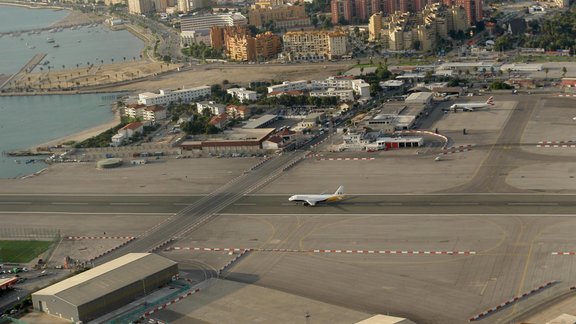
x: 27, y: 121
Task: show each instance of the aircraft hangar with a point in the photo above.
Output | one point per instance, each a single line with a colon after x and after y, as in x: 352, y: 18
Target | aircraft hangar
x: 98, y: 291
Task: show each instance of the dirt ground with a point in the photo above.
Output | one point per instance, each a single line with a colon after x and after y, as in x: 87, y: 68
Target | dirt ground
x: 240, y: 74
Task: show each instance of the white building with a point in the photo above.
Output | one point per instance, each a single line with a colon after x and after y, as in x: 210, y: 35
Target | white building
x: 342, y: 94
x: 361, y: 88
x: 358, y: 86
x: 301, y: 85
x: 242, y: 94
x: 167, y: 96
x: 194, y: 37
x: 215, y: 109
x: 118, y: 139
x: 131, y: 129
x: 154, y: 113
x: 205, y: 22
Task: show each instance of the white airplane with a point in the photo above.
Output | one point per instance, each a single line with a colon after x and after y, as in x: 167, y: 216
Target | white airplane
x: 471, y: 106
x: 312, y: 200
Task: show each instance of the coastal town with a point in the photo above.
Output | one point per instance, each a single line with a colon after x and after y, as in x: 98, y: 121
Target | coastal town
x: 288, y: 161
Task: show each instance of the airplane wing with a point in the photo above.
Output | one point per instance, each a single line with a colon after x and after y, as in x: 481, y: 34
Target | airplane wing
x: 311, y: 202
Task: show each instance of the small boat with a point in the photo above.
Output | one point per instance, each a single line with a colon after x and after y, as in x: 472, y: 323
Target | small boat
x: 56, y: 46
x: 50, y: 40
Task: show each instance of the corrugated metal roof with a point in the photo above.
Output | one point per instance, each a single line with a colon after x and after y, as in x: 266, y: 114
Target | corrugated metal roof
x: 109, y: 277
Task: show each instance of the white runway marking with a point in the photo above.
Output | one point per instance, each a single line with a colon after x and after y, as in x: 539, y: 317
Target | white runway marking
x: 456, y: 204
x: 16, y: 203
x: 532, y: 204
x: 390, y: 204
x: 83, y: 213
x: 244, y: 204
x: 130, y: 204
x: 69, y: 203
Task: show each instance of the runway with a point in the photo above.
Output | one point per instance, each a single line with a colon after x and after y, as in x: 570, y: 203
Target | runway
x: 458, y: 204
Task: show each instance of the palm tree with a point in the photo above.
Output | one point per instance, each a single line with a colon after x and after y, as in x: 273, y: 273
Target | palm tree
x: 564, y: 70
x: 124, y: 58
x: 63, y: 66
x: 546, y: 70
x: 112, y: 59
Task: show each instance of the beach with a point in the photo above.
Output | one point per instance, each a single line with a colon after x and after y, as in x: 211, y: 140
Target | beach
x: 81, y: 136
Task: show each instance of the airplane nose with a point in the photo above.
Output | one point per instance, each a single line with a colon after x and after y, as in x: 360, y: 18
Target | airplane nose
x: 291, y: 198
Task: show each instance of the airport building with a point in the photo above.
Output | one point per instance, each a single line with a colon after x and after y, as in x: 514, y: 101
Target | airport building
x: 244, y: 141
x: 98, y: 291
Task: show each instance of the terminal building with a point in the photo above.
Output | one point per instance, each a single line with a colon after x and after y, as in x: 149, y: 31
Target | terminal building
x: 98, y: 291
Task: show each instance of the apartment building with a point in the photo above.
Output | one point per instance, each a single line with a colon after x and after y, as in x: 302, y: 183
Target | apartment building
x: 341, y: 94
x: 140, y: 7
x: 167, y: 96
x: 242, y: 94
x: 283, y: 16
x: 240, y: 45
x: 420, y: 31
x: 357, y: 86
x: 206, y: 22
x: 315, y: 45
x: 214, y: 108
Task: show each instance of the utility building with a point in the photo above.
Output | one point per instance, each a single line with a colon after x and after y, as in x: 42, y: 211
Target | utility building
x: 100, y: 290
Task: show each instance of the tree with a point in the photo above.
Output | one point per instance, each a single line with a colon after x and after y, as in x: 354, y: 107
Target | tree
x: 564, y: 70
x: 546, y: 70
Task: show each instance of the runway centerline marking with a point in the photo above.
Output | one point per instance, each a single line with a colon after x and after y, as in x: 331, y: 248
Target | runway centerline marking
x: 532, y: 204
x: 130, y: 204
x: 69, y: 203
x: 456, y: 204
x: 15, y: 203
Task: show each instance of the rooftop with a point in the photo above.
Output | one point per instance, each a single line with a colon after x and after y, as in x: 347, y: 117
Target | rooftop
x: 107, y: 278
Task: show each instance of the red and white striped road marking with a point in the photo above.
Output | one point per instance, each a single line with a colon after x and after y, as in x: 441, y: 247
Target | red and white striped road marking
x: 457, y: 149
x: 511, y: 300
x: 401, y: 252
x: 231, y: 262
x: 562, y: 144
x: 78, y: 238
x: 347, y: 159
x: 564, y: 253
x: 161, y: 307
x: 567, y: 95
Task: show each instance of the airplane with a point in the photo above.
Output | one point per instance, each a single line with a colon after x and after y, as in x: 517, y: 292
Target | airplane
x: 471, y: 106
x: 312, y: 200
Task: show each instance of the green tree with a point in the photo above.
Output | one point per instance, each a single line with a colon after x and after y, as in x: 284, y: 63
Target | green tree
x: 564, y: 70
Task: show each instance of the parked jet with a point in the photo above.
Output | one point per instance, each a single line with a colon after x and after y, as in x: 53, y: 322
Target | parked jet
x: 471, y: 106
x: 312, y: 200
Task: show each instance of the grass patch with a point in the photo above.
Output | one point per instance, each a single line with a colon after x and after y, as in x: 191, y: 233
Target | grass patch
x: 21, y: 251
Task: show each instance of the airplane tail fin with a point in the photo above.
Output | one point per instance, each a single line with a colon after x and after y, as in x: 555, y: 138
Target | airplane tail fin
x: 340, y: 191
x: 490, y: 101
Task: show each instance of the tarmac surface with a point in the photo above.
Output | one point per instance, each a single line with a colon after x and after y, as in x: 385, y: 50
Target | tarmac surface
x: 506, y: 200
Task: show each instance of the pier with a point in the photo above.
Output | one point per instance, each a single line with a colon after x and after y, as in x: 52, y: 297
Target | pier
x: 27, y: 68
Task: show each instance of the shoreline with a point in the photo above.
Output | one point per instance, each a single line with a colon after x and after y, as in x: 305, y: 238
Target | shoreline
x: 82, y: 135
x: 33, y: 6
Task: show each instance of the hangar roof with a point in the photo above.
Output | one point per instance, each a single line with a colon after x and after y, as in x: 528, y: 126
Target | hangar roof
x: 107, y: 278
